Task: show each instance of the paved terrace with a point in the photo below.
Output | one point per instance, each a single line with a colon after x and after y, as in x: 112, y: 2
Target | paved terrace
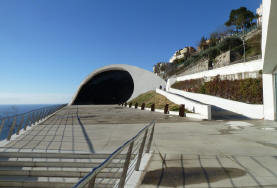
x: 95, y: 129
x: 187, y: 153
x: 213, y: 154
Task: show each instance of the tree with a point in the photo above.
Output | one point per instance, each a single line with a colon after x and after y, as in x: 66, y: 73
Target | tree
x: 241, y: 18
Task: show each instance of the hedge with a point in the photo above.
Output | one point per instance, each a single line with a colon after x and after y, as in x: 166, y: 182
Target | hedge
x: 247, y: 90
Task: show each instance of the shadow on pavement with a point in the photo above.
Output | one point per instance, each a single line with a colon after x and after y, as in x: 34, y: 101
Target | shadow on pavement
x: 222, y: 114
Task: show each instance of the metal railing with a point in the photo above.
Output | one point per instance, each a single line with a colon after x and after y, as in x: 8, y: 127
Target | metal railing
x: 242, y: 60
x: 245, y: 32
x: 132, y: 152
x: 247, y: 59
x: 11, y: 125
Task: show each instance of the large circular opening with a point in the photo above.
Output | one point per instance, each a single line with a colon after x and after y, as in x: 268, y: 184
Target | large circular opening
x: 109, y: 87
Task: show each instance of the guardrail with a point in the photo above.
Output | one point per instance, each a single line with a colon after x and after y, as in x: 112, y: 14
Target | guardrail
x: 247, y: 59
x: 133, y: 149
x: 10, y: 125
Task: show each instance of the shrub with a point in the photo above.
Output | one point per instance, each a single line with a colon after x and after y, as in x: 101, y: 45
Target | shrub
x: 248, y: 90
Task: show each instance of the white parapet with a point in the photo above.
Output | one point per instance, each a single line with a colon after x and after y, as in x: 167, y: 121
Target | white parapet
x: 254, y: 111
x: 199, y: 108
x: 269, y: 98
x: 251, y: 66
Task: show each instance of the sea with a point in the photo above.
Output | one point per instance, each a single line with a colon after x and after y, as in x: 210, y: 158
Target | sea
x: 10, y: 110
x: 13, y: 109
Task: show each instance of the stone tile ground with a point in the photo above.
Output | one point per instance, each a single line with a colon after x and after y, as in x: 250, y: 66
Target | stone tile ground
x: 187, y: 153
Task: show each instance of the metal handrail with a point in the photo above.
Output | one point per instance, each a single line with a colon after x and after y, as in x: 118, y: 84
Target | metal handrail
x: 91, y: 176
x: 252, y: 58
x: 22, y: 120
x: 50, y: 106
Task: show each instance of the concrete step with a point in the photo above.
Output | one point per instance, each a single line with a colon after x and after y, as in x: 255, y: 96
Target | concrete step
x: 106, y: 172
x: 76, y: 164
x: 54, y: 173
x: 60, y: 169
x: 58, y: 155
x: 35, y: 169
x: 46, y: 182
x: 35, y: 159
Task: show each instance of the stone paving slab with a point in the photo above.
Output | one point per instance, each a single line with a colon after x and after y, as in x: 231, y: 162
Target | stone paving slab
x: 214, y: 154
x: 110, y: 114
x: 212, y: 172
x: 205, y: 153
x: 93, y: 128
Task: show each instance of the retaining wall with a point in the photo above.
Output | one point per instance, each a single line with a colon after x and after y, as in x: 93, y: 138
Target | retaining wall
x: 254, y: 111
x: 238, y: 70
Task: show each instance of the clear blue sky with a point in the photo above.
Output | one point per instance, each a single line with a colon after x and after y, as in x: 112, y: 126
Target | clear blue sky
x: 48, y: 47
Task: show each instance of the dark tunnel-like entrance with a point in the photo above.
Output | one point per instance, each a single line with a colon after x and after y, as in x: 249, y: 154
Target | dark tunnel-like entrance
x: 109, y: 87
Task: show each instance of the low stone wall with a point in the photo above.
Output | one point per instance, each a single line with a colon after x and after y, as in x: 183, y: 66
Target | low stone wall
x: 238, y: 76
x: 222, y: 60
x: 199, y: 66
x: 203, y: 64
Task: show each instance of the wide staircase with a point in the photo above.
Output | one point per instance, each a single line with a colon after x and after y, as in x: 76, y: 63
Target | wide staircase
x: 23, y: 166
x: 33, y: 169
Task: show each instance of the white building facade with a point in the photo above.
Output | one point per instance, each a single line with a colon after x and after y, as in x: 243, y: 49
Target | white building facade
x: 269, y: 52
x: 259, y: 12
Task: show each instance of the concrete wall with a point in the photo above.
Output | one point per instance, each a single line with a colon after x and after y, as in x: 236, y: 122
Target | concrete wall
x: 249, y: 110
x: 252, y: 66
x: 196, y: 107
x: 269, y: 97
x: 269, y: 48
x: 266, y: 12
x: 232, y: 72
x: 169, y: 82
x: 143, y: 80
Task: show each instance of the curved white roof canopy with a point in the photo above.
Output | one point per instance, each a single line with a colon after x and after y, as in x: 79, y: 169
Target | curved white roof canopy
x: 143, y: 81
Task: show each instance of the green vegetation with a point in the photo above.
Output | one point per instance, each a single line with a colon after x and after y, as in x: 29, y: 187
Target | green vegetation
x: 248, y: 90
x: 221, y: 41
x: 234, y: 43
x: 241, y: 18
x: 234, y: 36
x: 151, y: 97
x: 253, y: 45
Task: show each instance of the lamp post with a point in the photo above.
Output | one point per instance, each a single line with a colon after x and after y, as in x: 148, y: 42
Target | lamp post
x: 243, y: 42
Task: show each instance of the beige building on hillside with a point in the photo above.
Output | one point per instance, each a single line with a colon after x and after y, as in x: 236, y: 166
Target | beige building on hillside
x: 182, y: 53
